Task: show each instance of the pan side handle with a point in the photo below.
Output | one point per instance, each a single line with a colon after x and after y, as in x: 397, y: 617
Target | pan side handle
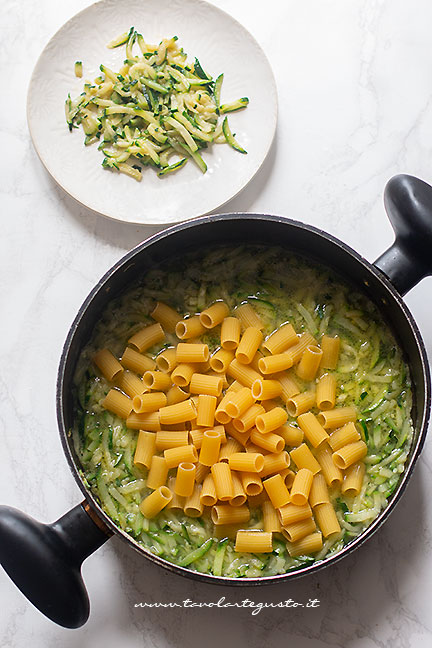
x: 408, y: 202
x: 44, y: 560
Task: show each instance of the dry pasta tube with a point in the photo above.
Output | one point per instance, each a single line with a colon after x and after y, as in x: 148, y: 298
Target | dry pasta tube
x: 248, y: 316
x: 230, y: 333
x: 189, y: 328
x: 241, y: 437
x: 326, y: 392
x: 171, y: 439
x: 243, y: 373
x: 332, y: 474
x: 301, y: 487
x: 313, y: 430
x: 186, y: 352
x: 248, y: 419
x: 154, y: 503
x: 298, y: 530
x: 166, y: 316
x: 279, y: 341
x: 185, y: 479
x: 296, y: 351
x: 210, y: 447
x: 271, y: 521
x: 223, y: 481
x: 227, y: 514
x: 300, y: 403
x: 239, y: 402
x: 108, y: 364
x: 271, y: 420
x: 252, y: 484
x: 292, y: 435
x: 306, y: 546
x: 145, y: 449
x: 353, y: 479
x: 147, y: 337
x: 149, y: 402
x: 253, y: 542
x: 177, y: 503
x: 178, y: 413
x: 167, y: 360
x: 255, y: 501
x: 344, y: 435
x: 249, y: 343
x: 137, y: 362
x: 239, y: 497
x: 255, y: 360
x: 326, y: 517
x: 269, y: 404
x: 149, y: 421
x: 196, y: 437
x: 330, y: 347
x: 288, y: 477
x: 246, y: 462
x: 290, y: 514
x: 118, y: 403
x: 130, y: 384
x: 275, y: 462
x: 277, y: 491
x: 176, y: 395
x: 208, y: 493
x: 271, y: 442
x: 206, y: 410
x: 275, y: 363
x: 288, y: 384
x: 158, y: 472
x: 214, y: 314
x: 303, y: 458
x: 252, y: 447
x: 309, y: 363
x: 220, y: 360
x: 203, y: 384
x: 157, y: 380
x: 175, y: 456
x: 182, y: 374
x: 231, y: 446
x: 201, y: 473
x: 221, y: 415
x: 193, y: 507
x: 349, y: 454
x: 266, y: 389
x: 319, y: 492
x: 337, y: 417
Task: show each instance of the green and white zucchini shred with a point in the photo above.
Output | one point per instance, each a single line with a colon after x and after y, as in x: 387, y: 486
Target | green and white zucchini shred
x: 371, y: 375
x: 156, y: 107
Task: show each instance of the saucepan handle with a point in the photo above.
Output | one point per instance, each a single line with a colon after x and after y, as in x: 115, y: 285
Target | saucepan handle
x: 44, y: 560
x: 408, y: 202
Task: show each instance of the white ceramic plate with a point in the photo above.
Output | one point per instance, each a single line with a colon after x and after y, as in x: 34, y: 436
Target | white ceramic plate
x: 221, y: 44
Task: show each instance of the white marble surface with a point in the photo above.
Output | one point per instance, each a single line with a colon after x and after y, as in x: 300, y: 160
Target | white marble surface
x: 354, y: 82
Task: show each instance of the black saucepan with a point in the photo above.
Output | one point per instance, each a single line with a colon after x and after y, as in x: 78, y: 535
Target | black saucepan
x: 45, y: 560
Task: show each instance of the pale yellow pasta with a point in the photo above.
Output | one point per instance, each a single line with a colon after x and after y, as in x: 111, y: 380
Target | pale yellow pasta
x: 301, y: 487
x: 201, y: 473
x: 307, y: 545
x: 252, y: 447
x: 319, y: 492
x: 266, y: 389
x: 353, y: 479
x: 223, y: 481
x: 348, y: 433
x: 226, y: 530
x: 185, y: 479
x: 182, y: 374
x: 303, y: 458
x: 130, y: 384
x: 204, y: 384
x: 193, y: 506
x: 248, y: 316
x: 257, y: 500
x: 218, y: 374
x: 220, y: 360
x: 296, y: 351
x: 337, y: 417
x: 242, y: 373
x: 108, y: 364
x: 269, y: 404
x: 239, y: 402
x: 248, y: 346
x: 221, y: 415
x: 309, y: 363
x: 271, y: 420
x: 177, y: 455
x: 276, y: 490
x: 171, y: 439
x: 196, y: 437
x: 210, y: 447
x: 145, y: 448
x: 289, y: 386
x: 247, y: 420
x: 158, y: 472
x: 230, y: 333
x: 190, y: 353
x: 189, y: 328
x: 279, y: 341
x: 326, y: 392
x: 221, y: 430
x: 252, y: 483
x: 208, y: 493
x: 149, y: 402
x: 178, y: 413
x: 274, y: 363
x: 255, y: 361
x: 291, y: 513
x: 166, y: 316
x: 239, y: 497
x: 313, y: 430
x: 246, y: 461
x: 155, y: 502
x: 271, y: 442
x: 214, y: 314
x: 206, y: 410
x: 231, y: 446
x: 227, y: 514
x: 332, y: 474
x: 117, y: 403
x: 275, y: 462
x: 288, y: 477
x: 176, y: 395
x: 253, y: 541
x: 177, y: 503
x: 149, y: 421
x: 157, y: 380
x: 298, y: 530
x: 167, y: 360
x: 330, y: 347
x: 292, y: 435
x: 349, y: 454
x: 241, y: 437
x: 137, y: 362
x: 147, y: 337
x: 271, y: 521
x: 327, y: 520
x: 300, y: 403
